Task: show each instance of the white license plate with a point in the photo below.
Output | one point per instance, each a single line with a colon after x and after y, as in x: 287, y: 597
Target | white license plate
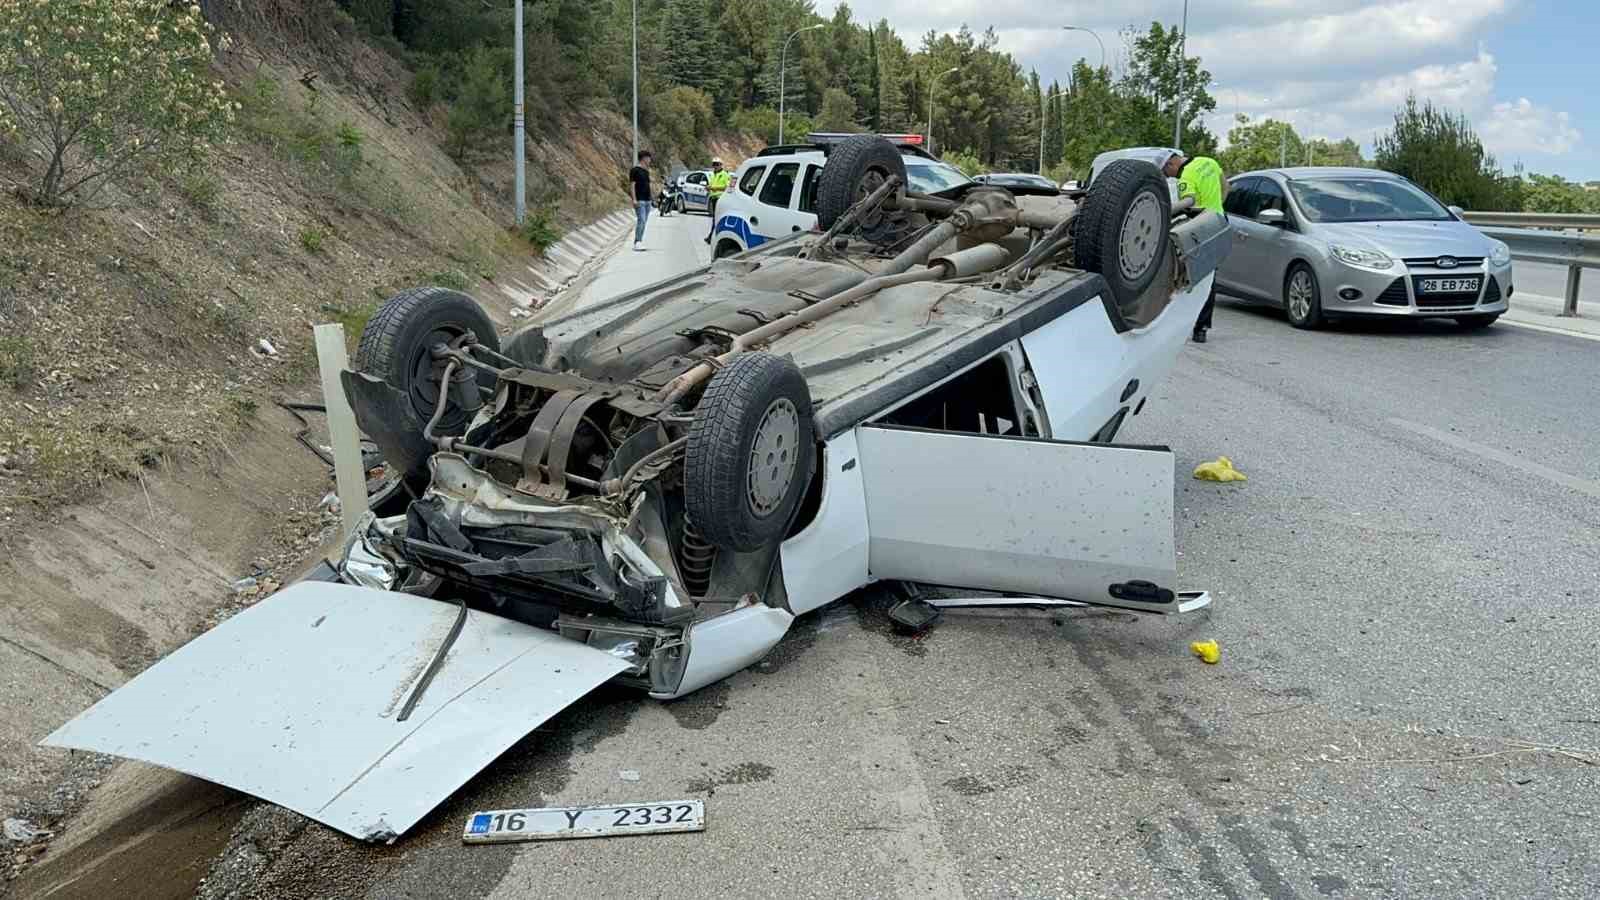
x: 1447, y: 285
x: 556, y: 823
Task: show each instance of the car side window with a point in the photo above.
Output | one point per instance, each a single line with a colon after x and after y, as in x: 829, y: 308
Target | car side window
x: 1239, y: 195
x: 808, y: 189
x: 1271, y: 197
x: 697, y: 178
x: 779, y: 188
x: 748, y: 182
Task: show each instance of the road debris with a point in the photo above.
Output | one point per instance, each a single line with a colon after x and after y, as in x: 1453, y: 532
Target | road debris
x: 1220, y: 469
x: 264, y: 348
x: 629, y: 775
x: 1208, y: 651
x: 498, y: 826
x: 21, y: 831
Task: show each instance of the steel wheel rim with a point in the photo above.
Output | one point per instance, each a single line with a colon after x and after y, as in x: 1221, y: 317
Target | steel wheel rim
x: 773, y: 455
x: 1140, y: 236
x: 871, y: 181
x: 1300, y: 295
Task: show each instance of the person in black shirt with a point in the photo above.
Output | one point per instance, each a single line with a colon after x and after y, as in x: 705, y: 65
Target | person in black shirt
x: 640, y: 176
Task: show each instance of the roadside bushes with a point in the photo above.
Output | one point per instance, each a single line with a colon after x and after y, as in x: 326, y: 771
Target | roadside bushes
x: 100, y: 88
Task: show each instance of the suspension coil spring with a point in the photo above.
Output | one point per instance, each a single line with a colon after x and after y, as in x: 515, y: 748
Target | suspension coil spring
x: 697, y: 556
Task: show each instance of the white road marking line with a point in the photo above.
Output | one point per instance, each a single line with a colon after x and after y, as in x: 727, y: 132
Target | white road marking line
x: 1549, y: 330
x: 1582, y: 485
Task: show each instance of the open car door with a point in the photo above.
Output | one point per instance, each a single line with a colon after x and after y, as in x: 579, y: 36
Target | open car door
x: 1090, y: 523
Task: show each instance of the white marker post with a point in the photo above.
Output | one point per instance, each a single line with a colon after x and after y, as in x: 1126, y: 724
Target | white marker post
x: 332, y: 358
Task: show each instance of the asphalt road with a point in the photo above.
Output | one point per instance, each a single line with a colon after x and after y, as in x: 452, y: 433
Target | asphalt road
x: 1408, y: 606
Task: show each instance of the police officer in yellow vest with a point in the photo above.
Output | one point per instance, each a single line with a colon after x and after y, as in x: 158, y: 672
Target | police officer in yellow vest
x: 1199, y: 177
x: 715, y: 185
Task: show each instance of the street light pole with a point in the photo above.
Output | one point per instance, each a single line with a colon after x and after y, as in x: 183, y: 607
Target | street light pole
x: 519, y: 142
x: 1092, y: 34
x: 635, y: 160
x: 933, y: 83
x: 1183, y: 47
x: 783, y: 69
x: 1101, y: 113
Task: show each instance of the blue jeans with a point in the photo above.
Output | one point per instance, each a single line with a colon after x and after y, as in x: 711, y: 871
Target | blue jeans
x: 641, y: 211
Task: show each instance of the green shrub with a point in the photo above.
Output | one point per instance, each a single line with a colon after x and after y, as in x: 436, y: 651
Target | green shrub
x: 101, y: 88
x: 539, y: 227
x: 455, y: 281
x: 482, y: 104
x: 19, y: 362
x: 201, y: 188
x: 965, y: 160
x: 425, y: 87
x: 311, y: 239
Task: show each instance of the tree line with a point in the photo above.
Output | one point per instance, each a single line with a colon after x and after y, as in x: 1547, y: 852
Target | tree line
x: 705, y: 64
x: 709, y: 64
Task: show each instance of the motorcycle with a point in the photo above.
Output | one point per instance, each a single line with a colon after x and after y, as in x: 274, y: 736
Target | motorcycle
x: 667, y: 200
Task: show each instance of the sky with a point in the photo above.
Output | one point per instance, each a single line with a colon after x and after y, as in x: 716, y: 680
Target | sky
x: 1526, y: 72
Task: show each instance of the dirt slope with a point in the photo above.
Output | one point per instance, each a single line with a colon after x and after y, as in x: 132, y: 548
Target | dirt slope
x: 144, y: 466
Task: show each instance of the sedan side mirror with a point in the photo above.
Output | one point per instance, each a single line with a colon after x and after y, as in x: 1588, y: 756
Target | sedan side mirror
x: 1273, y: 217
x: 1458, y: 212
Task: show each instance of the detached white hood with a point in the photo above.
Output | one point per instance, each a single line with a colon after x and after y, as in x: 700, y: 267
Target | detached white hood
x: 296, y: 701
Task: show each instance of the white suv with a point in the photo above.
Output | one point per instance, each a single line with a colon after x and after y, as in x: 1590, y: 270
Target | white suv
x: 774, y: 193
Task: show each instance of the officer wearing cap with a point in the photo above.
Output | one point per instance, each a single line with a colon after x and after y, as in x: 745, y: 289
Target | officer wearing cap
x: 1199, y: 177
x: 715, y: 185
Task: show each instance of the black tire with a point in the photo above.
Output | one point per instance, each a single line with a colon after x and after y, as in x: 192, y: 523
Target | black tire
x: 1482, y: 320
x: 677, y: 205
x: 1308, y: 315
x: 855, y: 168
x: 726, y: 249
x: 736, y: 501
x: 1123, y: 230
x: 396, y: 346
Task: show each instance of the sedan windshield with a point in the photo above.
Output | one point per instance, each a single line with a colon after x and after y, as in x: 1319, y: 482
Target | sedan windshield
x: 930, y: 177
x: 1365, y: 200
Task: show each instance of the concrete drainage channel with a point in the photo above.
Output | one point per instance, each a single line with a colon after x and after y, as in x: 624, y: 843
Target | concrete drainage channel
x: 574, y: 256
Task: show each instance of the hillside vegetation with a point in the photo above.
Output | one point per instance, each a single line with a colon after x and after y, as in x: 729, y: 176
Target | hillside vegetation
x: 150, y: 321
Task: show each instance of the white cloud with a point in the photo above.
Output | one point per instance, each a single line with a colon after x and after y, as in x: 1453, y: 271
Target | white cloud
x: 1524, y: 127
x: 1334, y: 68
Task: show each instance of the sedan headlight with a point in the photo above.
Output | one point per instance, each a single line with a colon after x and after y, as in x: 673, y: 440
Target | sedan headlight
x: 1361, y: 257
x: 1499, y: 253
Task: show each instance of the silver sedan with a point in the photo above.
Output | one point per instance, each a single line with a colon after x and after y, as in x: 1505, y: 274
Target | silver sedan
x: 1327, y: 242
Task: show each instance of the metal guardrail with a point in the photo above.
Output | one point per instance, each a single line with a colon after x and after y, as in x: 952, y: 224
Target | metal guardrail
x: 1531, y: 239
x: 1583, y: 221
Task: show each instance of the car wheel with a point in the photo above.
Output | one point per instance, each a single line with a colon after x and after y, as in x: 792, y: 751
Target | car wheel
x: 726, y: 249
x: 1123, y: 230
x: 1302, y: 297
x: 750, y: 453
x: 855, y: 168
x: 396, y: 347
x: 1479, y: 321
x: 680, y: 203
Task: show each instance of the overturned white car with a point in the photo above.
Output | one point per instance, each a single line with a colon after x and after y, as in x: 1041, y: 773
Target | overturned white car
x: 652, y: 489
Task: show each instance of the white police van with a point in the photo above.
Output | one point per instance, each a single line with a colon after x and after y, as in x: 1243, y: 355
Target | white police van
x: 774, y: 193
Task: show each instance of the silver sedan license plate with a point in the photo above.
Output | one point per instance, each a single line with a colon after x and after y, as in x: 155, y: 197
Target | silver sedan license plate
x: 1447, y: 285
x: 555, y: 823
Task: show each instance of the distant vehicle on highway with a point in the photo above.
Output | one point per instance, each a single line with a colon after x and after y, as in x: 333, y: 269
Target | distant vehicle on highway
x: 1017, y: 180
x: 774, y: 193
x: 1326, y: 242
